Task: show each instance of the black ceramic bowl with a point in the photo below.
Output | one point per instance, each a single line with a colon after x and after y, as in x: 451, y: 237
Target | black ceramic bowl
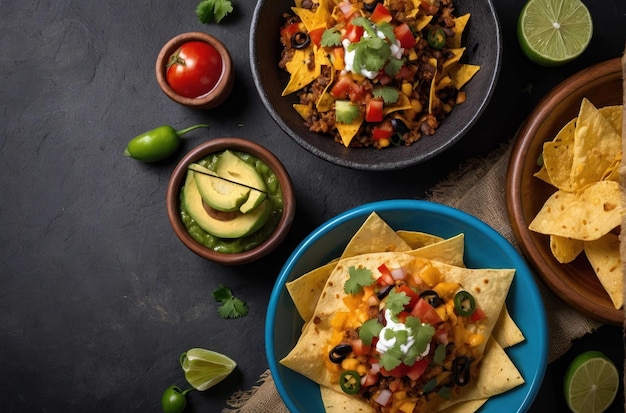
x: 483, y: 42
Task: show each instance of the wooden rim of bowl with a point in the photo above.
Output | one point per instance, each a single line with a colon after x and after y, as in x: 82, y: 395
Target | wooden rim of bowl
x: 524, y: 153
x: 222, y: 88
x: 242, y: 145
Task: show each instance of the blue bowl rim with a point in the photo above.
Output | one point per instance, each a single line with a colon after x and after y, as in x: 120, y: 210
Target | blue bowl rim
x: 381, y: 206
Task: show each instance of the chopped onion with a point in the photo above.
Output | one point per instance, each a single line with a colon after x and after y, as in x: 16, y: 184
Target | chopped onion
x: 372, y: 301
x: 383, y: 397
x: 345, y: 7
x: 398, y: 273
x: 375, y: 369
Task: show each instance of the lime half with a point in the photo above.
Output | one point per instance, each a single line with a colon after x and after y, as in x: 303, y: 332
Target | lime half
x: 205, y: 368
x: 554, y: 32
x: 591, y: 383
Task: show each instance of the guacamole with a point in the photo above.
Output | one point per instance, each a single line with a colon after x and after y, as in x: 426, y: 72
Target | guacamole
x: 238, y: 245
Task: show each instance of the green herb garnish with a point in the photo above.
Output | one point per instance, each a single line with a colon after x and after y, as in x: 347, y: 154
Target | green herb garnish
x: 209, y: 11
x: 368, y: 330
x: 396, y: 301
x: 231, y: 306
x: 359, y: 278
x: 387, y: 93
x: 331, y: 37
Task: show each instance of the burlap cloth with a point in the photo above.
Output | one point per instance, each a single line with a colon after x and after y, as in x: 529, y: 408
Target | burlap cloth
x: 476, y: 188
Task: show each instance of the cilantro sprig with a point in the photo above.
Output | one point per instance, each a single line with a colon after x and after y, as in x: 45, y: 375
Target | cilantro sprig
x: 209, y: 11
x: 359, y: 278
x: 231, y: 306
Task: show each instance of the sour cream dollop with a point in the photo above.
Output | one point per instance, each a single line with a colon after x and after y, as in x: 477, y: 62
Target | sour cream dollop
x: 384, y: 344
x: 396, y: 51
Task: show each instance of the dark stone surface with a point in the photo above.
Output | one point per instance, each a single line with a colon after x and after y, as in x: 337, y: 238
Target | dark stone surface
x: 98, y: 298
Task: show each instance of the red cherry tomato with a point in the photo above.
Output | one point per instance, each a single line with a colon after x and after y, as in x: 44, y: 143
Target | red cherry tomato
x: 194, y: 69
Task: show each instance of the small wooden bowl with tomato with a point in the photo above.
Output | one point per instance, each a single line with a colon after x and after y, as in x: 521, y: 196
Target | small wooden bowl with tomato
x: 195, y: 70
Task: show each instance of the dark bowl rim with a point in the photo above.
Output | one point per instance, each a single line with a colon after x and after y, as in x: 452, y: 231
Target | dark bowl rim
x: 497, y: 45
x: 243, y: 145
x: 606, y: 69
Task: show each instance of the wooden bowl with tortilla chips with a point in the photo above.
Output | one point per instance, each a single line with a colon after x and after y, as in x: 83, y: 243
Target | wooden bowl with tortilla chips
x: 563, y: 192
x: 308, y: 300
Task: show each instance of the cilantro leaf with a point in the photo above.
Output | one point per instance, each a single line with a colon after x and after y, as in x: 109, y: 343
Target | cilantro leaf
x: 231, y: 306
x: 359, y: 278
x: 423, y: 333
x: 396, y: 301
x: 368, y: 330
x: 387, y: 93
x: 346, y: 112
x: 440, y: 354
x: 393, y: 66
x: 390, y: 359
x: 331, y: 37
x: 209, y: 11
x: 387, y: 29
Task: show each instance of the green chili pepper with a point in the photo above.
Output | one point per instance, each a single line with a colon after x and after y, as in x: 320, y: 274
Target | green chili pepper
x: 156, y: 144
x: 350, y: 381
x: 436, y: 38
x: 464, y: 303
x: 174, y: 400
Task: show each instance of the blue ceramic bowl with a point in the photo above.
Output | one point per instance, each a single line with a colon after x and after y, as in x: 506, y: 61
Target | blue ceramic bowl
x: 483, y: 42
x: 484, y: 248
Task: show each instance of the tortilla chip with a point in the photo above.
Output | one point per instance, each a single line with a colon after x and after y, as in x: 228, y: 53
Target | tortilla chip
x: 489, y: 287
x: 585, y: 215
x: 433, y: 101
x: 347, y: 131
x: 303, y: 110
x: 299, y: 70
x: 314, y: 20
x: 596, y: 146
x: 459, y: 26
x: 403, y: 103
x: 565, y: 250
x: 449, y: 251
x: 490, y: 382
x: 506, y: 332
x: 418, y: 239
x: 462, y: 73
x: 374, y: 235
x: 603, y: 255
x: 558, y: 157
x: 613, y: 114
x: 456, y: 56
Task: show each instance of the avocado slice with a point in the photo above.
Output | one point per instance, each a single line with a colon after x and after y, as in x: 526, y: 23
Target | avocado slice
x: 218, y: 193
x: 240, y: 226
x: 233, y: 168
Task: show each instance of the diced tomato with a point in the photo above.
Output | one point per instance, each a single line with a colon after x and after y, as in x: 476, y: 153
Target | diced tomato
x: 404, y: 35
x: 384, y: 79
x: 374, y: 110
x: 478, y: 314
x: 402, y: 316
x: 316, y: 36
x: 407, y: 72
x: 287, y: 32
x: 385, y: 278
x: 357, y: 92
x: 382, y: 132
x: 353, y: 33
x: 425, y: 312
x: 413, y: 296
x: 441, y: 336
x: 415, y: 371
x: 381, y: 14
x: 359, y: 348
x: 428, y: 8
x: 369, y: 380
x: 341, y: 87
x: 399, y: 371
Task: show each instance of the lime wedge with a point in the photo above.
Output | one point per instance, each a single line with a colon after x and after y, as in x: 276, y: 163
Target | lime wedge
x: 554, y: 32
x: 591, y: 383
x: 205, y: 368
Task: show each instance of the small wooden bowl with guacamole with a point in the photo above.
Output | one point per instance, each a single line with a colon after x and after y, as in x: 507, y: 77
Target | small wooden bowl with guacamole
x: 231, y: 201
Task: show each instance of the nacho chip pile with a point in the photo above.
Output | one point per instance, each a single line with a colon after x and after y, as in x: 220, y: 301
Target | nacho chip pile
x: 585, y: 212
x: 321, y: 301
x: 426, y: 81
